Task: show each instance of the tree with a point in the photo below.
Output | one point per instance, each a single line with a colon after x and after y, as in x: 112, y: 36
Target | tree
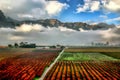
x: 16, y: 45
x: 62, y: 47
x: 10, y: 45
x: 21, y: 43
x: 53, y: 46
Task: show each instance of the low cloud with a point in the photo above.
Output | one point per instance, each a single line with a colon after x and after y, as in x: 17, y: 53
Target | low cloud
x: 111, y: 35
x: 51, y: 36
x: 41, y: 35
x: 28, y: 28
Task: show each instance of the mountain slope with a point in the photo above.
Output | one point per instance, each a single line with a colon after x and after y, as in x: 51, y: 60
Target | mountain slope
x: 8, y: 22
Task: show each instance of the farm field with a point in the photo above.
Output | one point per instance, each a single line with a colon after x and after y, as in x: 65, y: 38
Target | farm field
x: 85, y: 57
x: 86, y: 70
x: 26, y: 66
x: 112, y: 54
x: 85, y: 66
x: 12, y: 52
x: 93, y: 49
x: 29, y: 64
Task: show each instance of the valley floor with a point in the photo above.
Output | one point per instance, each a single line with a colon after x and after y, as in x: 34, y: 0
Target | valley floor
x: 70, y: 64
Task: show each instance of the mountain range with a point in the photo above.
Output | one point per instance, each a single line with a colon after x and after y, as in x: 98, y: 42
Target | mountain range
x: 9, y: 22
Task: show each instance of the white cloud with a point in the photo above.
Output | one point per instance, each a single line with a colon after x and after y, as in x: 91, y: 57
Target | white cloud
x: 16, y: 38
x: 89, y: 6
x: 25, y: 16
x: 82, y: 8
x: 111, y: 35
x: 103, y: 16
x: 40, y: 35
x: 48, y: 36
x: 54, y: 7
x: 28, y: 28
x: 65, y: 29
x: 31, y: 9
x: 95, y: 5
x: 5, y: 4
x: 108, y: 34
x: 82, y: 30
x: 113, y: 5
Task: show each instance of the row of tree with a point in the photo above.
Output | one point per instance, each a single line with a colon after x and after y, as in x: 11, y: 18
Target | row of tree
x: 22, y: 45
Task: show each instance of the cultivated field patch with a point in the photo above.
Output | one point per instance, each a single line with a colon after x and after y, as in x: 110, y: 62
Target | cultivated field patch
x: 87, y: 70
x: 85, y: 66
x: 26, y: 66
x: 85, y: 57
x: 12, y: 52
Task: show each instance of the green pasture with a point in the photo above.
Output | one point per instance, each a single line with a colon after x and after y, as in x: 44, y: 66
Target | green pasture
x: 85, y: 57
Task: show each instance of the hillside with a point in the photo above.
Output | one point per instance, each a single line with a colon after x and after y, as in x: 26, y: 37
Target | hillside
x: 9, y: 22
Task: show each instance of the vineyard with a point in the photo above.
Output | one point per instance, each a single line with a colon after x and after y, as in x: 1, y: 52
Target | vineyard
x: 31, y: 65
x: 85, y: 66
x: 86, y: 70
x: 26, y: 66
x: 7, y: 52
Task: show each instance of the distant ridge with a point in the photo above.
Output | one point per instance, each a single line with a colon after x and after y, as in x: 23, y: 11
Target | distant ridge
x: 9, y: 22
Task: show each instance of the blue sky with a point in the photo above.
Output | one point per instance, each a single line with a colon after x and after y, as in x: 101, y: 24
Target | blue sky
x: 99, y: 15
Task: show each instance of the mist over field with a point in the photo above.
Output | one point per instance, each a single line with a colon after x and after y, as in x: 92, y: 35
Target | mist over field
x: 51, y: 36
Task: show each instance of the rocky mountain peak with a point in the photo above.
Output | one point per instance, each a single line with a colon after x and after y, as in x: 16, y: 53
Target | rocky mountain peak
x: 9, y: 22
x: 2, y: 16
